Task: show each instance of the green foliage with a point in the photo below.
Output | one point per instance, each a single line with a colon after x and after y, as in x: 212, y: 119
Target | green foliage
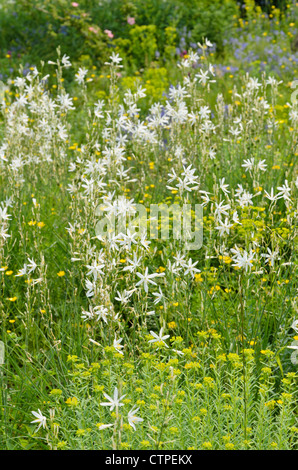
x: 34, y: 27
x: 143, y: 43
x: 221, y: 371
x: 213, y: 20
x: 155, y: 80
x: 170, y: 42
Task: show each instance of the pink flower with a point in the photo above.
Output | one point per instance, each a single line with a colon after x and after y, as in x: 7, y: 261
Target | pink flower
x: 93, y: 30
x: 131, y: 20
x: 109, y: 33
x: 74, y: 4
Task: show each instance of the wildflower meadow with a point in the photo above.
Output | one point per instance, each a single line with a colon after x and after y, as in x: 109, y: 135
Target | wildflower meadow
x: 148, y: 225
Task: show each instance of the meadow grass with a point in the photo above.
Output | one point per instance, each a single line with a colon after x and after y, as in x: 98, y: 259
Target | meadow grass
x: 202, y: 355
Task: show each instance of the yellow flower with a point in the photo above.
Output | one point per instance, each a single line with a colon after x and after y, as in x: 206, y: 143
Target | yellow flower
x: 56, y: 392
x: 145, y: 443
x: 61, y: 273
x: 207, y: 445
x: 161, y: 269
x: 198, y: 277
x: 229, y: 446
x: 72, y: 401
x: 270, y: 404
x: 124, y: 445
x: 174, y: 430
